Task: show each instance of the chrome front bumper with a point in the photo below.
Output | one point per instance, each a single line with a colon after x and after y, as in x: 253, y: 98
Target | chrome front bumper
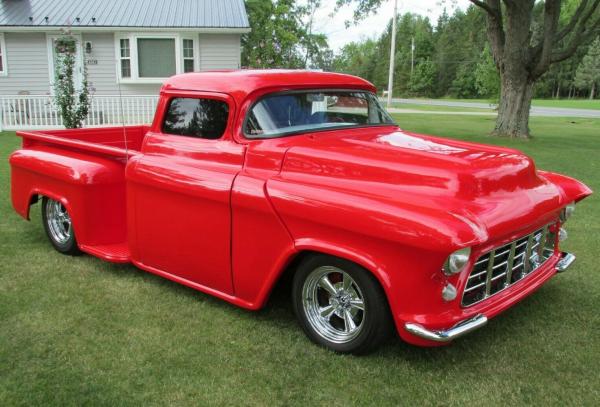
x: 458, y: 330
x: 469, y: 325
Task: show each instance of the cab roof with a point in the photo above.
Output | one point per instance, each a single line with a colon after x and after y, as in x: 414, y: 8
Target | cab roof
x: 241, y: 83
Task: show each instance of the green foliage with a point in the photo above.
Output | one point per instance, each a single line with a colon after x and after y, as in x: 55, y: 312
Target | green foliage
x: 464, y: 84
x: 357, y: 58
x: 282, y: 36
x: 73, y: 103
x: 423, y: 79
x: 588, y: 72
x: 487, y: 80
x: 457, y: 47
x: 362, y: 8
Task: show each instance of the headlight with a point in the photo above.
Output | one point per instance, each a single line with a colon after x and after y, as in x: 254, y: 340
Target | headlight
x: 457, y: 261
x: 567, y: 211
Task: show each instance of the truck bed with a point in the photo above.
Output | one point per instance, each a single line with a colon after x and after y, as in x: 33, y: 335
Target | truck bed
x: 112, y: 141
x: 85, y: 168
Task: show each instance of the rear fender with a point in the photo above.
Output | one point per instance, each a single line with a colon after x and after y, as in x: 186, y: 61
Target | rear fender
x: 91, y: 187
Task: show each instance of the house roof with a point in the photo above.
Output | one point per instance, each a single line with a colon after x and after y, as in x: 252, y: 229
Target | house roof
x: 186, y: 14
x: 241, y: 83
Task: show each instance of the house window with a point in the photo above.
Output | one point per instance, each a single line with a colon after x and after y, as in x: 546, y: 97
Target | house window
x: 150, y: 58
x: 125, y: 52
x: 3, y: 68
x: 156, y: 57
x: 200, y: 118
x: 188, y: 55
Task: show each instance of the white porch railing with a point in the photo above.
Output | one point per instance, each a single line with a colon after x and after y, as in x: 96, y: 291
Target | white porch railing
x: 40, y: 112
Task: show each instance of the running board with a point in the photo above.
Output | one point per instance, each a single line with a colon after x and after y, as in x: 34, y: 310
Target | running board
x: 114, y: 253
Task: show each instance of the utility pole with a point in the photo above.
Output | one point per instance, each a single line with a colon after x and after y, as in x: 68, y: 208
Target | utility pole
x: 392, y: 56
x: 412, y: 56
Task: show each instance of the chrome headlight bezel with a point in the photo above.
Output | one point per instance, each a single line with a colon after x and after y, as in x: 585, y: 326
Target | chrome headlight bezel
x: 567, y: 212
x: 457, y: 261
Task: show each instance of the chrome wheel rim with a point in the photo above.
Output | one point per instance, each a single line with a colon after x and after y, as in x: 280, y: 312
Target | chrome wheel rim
x: 59, y: 221
x: 333, y: 304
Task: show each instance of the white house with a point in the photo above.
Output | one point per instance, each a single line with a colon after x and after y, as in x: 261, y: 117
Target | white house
x: 128, y: 47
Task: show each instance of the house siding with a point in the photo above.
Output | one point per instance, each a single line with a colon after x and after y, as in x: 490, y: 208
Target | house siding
x: 219, y: 51
x: 103, y: 76
x: 27, y: 56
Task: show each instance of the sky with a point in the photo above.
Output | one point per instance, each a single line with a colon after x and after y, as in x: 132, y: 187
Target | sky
x: 338, y: 35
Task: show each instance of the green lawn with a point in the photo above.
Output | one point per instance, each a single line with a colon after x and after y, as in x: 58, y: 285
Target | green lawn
x: 568, y: 103
x: 77, y: 331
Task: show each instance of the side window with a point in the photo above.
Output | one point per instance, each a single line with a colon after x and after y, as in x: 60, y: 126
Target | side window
x: 201, y: 118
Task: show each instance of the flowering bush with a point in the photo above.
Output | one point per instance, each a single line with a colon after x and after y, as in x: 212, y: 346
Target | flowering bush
x: 73, y: 103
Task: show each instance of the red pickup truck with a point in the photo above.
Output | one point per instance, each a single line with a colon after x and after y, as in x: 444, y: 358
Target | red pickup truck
x: 248, y: 176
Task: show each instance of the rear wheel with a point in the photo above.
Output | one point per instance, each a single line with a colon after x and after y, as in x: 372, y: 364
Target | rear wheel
x: 340, y: 305
x: 59, y: 226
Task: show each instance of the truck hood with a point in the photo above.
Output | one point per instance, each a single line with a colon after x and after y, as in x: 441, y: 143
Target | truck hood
x: 493, y: 190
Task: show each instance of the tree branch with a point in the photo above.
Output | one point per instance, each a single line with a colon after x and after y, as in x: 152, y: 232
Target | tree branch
x: 483, y: 5
x: 581, y: 35
x: 495, y: 30
x: 573, y: 22
x: 551, y: 15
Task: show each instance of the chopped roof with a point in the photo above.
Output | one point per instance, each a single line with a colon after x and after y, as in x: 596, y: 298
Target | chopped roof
x: 240, y: 83
x: 125, y: 13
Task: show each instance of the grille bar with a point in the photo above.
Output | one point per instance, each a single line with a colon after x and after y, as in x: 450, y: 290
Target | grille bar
x: 503, y: 266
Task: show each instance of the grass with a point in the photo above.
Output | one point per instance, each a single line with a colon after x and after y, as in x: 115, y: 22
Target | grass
x: 77, y: 331
x: 593, y: 104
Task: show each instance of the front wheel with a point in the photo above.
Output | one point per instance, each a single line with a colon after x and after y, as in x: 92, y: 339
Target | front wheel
x: 59, y: 226
x: 340, y: 305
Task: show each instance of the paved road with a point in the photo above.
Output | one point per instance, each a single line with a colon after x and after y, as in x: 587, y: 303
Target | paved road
x: 535, y: 110
x: 441, y: 112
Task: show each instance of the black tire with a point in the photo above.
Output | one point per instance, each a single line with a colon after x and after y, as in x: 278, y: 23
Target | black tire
x: 66, y: 241
x: 310, y: 300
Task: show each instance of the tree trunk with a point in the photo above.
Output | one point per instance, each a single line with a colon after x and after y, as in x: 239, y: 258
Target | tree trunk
x: 515, y: 102
x: 592, y: 91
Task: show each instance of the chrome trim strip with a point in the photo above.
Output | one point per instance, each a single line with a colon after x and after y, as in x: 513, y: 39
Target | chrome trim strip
x: 527, y: 258
x: 542, y: 243
x: 490, y: 269
x: 475, y: 287
x: 478, y: 274
x: 566, y: 259
x: 511, y: 262
x: 458, y: 330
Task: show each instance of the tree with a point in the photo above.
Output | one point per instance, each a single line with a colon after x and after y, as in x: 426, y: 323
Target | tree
x: 526, y: 37
x: 358, y: 58
x: 422, y: 81
x: 486, y: 75
x: 588, y: 72
x: 282, y: 36
x: 73, y: 104
x: 525, y: 42
x: 464, y: 83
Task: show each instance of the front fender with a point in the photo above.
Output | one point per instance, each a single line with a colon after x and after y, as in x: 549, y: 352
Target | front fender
x: 571, y: 189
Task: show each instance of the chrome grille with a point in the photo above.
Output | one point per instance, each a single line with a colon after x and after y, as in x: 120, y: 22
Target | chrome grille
x: 498, y: 269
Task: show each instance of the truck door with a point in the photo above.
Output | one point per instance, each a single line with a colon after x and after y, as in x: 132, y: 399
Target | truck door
x: 179, y: 190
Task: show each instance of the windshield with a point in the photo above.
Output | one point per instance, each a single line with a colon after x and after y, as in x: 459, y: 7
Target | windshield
x: 288, y: 113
